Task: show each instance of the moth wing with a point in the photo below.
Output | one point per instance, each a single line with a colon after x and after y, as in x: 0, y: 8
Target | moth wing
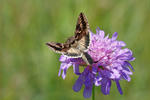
x: 57, y: 47
x: 82, y: 25
x: 82, y: 34
x: 84, y: 42
x: 73, y: 53
x: 61, y: 48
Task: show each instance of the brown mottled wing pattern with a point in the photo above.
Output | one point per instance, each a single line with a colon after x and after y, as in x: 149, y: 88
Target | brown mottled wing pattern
x: 82, y: 34
x: 57, y: 47
x: 80, y: 42
x: 76, y: 45
x: 72, y: 50
x: 68, y: 48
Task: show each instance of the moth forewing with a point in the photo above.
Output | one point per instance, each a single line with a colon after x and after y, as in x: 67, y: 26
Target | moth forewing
x: 56, y: 47
x: 84, y: 42
x: 82, y: 20
x: 82, y: 26
x: 73, y: 52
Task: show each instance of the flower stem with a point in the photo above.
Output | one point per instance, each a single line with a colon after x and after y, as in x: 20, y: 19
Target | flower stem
x: 93, y: 92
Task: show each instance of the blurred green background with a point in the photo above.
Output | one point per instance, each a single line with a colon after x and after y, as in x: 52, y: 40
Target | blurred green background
x: 29, y: 70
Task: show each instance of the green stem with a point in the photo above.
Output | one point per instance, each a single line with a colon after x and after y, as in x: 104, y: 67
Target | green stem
x: 93, y: 92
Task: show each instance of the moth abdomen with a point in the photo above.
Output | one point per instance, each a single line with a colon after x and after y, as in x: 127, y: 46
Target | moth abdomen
x: 87, y: 58
x: 87, y: 40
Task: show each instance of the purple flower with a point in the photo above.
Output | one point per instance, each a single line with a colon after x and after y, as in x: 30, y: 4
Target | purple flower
x: 68, y: 62
x: 86, y: 78
x: 111, y: 63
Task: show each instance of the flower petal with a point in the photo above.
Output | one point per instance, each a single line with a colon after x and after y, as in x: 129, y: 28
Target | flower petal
x: 115, y: 74
x: 65, y: 65
x: 125, y: 76
x: 59, y: 73
x: 87, y: 92
x: 76, y: 69
x: 121, y: 44
x: 94, y: 69
x: 101, y: 33
x: 105, y: 86
x: 108, y: 85
x: 119, y: 87
x: 128, y: 64
x: 88, y: 86
x: 114, y: 36
x: 78, y: 84
x: 105, y: 73
x: 64, y: 73
x: 62, y: 58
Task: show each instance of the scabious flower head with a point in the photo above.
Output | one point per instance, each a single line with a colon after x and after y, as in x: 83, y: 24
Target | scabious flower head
x: 111, y: 63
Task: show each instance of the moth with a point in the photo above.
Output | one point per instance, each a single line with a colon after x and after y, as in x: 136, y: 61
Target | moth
x: 77, y: 45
